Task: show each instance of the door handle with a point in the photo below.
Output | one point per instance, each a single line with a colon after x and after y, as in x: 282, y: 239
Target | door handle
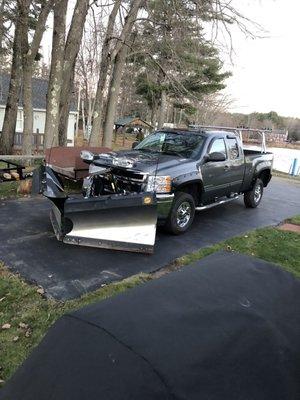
x: 226, y: 168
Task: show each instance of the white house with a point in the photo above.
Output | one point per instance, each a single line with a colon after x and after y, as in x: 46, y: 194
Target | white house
x: 39, y: 93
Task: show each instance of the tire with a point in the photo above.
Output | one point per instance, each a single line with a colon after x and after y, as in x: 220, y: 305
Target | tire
x: 181, y: 215
x: 253, y: 198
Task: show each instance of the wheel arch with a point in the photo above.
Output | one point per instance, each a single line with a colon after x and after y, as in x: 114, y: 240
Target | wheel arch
x: 194, y: 188
x: 264, y: 175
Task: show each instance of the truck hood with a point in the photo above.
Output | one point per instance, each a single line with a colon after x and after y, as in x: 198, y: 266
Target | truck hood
x: 142, y: 161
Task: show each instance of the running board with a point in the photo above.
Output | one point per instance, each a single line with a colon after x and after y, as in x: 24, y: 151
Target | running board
x: 218, y: 203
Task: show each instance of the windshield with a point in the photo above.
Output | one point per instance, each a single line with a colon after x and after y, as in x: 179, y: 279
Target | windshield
x: 175, y: 143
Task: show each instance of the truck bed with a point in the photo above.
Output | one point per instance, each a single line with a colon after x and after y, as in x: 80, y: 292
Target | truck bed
x: 252, y: 159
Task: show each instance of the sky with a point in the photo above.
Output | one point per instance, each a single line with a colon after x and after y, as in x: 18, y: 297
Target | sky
x: 266, y: 72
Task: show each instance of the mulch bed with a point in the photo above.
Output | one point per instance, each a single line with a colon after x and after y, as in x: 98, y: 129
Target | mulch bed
x: 290, y: 227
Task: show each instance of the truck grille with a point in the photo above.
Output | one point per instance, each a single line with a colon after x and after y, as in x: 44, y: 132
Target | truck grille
x: 130, y: 181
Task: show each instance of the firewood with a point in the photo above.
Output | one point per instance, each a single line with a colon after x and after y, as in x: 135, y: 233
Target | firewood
x: 25, y: 187
x: 15, y: 176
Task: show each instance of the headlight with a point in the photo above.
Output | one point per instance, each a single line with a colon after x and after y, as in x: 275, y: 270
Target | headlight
x: 159, y: 184
x: 86, y: 155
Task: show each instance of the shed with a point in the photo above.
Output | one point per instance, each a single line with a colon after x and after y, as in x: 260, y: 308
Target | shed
x: 135, y: 122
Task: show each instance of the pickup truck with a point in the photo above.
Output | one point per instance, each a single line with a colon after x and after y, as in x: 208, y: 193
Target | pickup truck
x: 189, y: 170
x: 162, y: 180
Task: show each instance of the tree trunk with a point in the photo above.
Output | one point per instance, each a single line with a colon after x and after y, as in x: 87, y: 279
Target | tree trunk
x: 71, y: 51
x: 11, y: 110
x: 24, y: 7
x: 163, y: 109
x: 29, y: 53
x: 96, y: 136
x: 153, y: 118
x: 118, y: 56
x: 56, y: 74
x: 27, y: 108
x: 2, y: 28
x: 113, y: 93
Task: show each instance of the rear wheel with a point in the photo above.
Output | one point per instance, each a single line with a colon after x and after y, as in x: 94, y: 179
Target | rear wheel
x: 253, y: 198
x: 182, y: 214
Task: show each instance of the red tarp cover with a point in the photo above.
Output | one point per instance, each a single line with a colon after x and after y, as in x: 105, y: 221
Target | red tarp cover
x: 67, y: 161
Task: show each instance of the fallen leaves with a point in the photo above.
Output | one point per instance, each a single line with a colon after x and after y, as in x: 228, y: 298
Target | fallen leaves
x: 28, y: 330
x: 40, y: 291
x: 22, y: 325
x: 28, y: 333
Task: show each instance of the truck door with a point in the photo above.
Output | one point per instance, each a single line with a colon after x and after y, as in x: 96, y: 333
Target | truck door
x: 237, y: 164
x: 216, y: 174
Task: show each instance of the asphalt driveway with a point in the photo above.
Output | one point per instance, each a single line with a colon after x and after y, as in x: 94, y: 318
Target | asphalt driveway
x: 29, y: 246
x: 225, y: 327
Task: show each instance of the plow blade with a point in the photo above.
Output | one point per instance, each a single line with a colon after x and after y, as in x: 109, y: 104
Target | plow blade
x: 111, y: 222
x: 119, y: 222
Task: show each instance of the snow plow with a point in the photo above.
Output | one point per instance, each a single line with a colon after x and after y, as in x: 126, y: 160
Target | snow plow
x: 111, y: 221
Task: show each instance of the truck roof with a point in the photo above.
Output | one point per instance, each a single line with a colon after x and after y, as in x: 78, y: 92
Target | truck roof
x: 200, y: 132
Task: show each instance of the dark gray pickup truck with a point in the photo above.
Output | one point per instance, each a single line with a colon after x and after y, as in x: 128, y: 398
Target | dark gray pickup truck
x: 164, y: 179
x: 188, y: 171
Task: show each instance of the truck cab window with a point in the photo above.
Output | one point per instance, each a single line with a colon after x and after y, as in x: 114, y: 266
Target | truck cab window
x: 233, y: 149
x: 218, y: 146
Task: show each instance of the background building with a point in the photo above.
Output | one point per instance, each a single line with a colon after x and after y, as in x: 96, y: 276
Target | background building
x: 39, y: 94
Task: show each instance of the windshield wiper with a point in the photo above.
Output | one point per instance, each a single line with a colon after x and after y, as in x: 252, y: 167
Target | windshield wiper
x: 145, y: 150
x: 172, y: 153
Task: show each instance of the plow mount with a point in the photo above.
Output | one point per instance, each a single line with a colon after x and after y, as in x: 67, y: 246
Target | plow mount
x: 117, y: 221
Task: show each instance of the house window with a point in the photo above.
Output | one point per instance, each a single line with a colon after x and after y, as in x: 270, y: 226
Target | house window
x: 20, y: 121
x: 18, y: 139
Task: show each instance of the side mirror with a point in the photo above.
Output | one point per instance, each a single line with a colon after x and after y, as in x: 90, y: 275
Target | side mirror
x: 216, y: 156
x: 87, y: 156
x: 134, y: 144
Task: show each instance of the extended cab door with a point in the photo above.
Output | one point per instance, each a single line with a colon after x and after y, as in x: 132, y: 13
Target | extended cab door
x: 216, y: 174
x: 236, y: 162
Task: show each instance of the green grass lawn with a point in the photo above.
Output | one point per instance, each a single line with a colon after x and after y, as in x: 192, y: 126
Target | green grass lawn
x: 270, y: 244
x: 20, y: 302
x: 9, y: 190
x: 295, y: 220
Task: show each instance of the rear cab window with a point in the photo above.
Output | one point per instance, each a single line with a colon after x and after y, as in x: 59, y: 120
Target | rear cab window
x: 233, y: 148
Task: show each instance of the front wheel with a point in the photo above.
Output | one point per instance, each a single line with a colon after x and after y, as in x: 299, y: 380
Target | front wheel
x: 253, y: 198
x: 182, y: 214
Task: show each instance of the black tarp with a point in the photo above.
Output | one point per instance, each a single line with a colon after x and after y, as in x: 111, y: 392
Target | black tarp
x: 227, y: 327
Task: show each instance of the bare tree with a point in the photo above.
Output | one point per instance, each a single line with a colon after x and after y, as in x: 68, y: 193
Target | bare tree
x: 112, y: 98
x: 29, y: 54
x: 70, y: 55
x: 56, y: 74
x: 11, y: 110
x: 119, y: 56
x: 88, y: 61
x: 96, y: 135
